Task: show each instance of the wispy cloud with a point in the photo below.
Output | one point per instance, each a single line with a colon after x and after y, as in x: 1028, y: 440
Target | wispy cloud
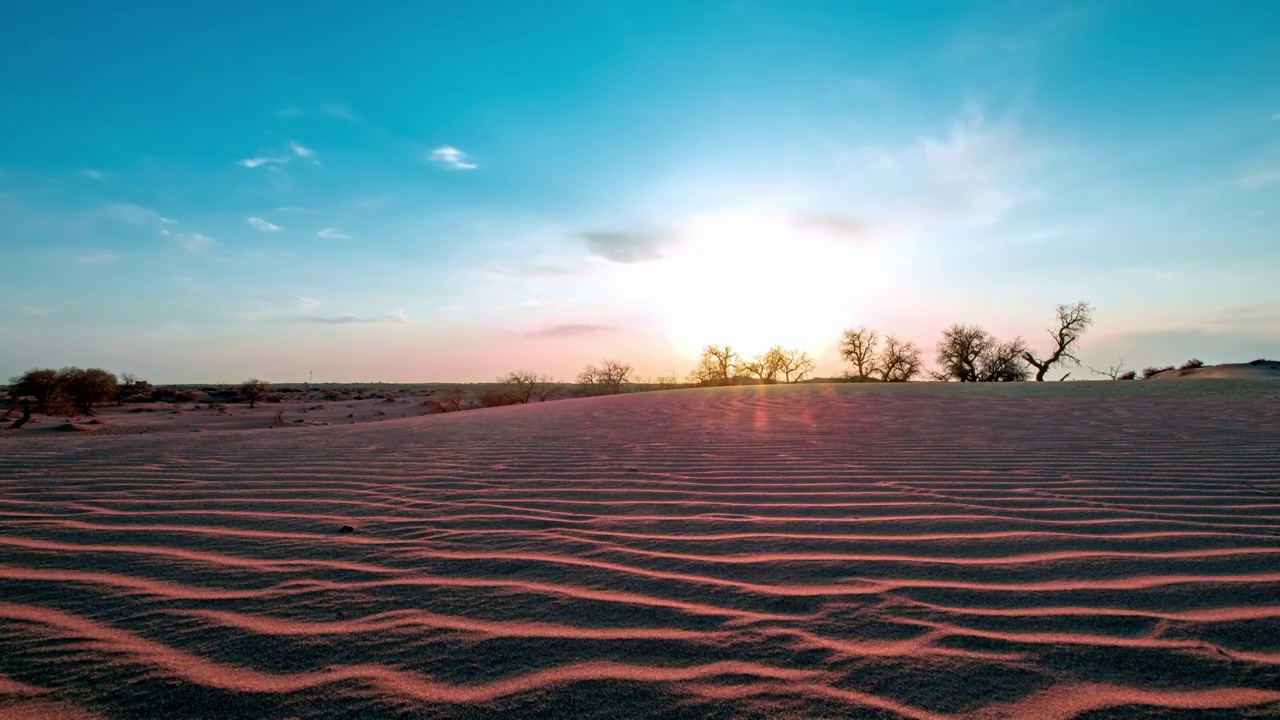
x: 572, y: 330
x: 129, y: 213
x: 292, y: 151
x: 1260, y: 177
x: 452, y: 157
x: 624, y: 246
x: 332, y: 234
x: 94, y: 175
x: 194, y: 243
x: 307, y: 302
x: 99, y: 258
x: 259, y: 224
x: 1276, y: 116
x: 395, y: 318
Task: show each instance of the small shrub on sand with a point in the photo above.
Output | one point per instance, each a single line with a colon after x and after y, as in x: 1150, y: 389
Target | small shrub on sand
x: 254, y: 390
x: 1191, y: 364
x: 1151, y: 372
x: 1127, y: 375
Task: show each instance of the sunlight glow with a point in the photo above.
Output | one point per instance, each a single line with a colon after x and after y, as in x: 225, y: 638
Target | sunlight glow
x: 754, y: 279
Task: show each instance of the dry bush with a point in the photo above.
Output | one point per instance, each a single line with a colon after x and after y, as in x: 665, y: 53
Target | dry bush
x: 1191, y: 364
x: 254, y: 390
x: 497, y: 398
x: 85, y: 388
x: 39, y: 383
x: 1127, y: 375
x: 1151, y: 372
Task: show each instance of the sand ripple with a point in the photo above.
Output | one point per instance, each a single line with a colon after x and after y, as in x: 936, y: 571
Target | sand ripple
x: 750, y: 552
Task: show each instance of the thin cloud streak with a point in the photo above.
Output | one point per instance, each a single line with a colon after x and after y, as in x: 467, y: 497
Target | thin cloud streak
x: 259, y: 224
x: 332, y: 234
x: 452, y: 157
x: 573, y: 330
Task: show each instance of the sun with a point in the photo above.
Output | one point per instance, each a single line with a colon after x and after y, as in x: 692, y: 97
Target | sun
x: 755, y: 279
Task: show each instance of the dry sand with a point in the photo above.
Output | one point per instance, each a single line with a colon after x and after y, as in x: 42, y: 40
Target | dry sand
x: 1055, y: 550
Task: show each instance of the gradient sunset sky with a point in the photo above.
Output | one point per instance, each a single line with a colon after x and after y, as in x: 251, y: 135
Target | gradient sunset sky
x: 418, y: 191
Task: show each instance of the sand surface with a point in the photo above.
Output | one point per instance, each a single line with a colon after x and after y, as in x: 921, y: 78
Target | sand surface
x: 1059, y: 550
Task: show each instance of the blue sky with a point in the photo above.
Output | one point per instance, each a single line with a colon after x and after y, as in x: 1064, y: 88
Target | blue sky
x: 431, y: 191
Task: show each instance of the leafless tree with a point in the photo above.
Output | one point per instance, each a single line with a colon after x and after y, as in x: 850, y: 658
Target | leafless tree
x: 524, y: 385
x: 1113, y: 372
x: 764, y: 366
x: 1072, y: 322
x: 717, y: 364
x: 967, y: 353
x: 899, y: 361
x: 610, y: 378
x: 794, y: 365
x: 858, y: 347
x: 254, y: 390
x: 452, y: 400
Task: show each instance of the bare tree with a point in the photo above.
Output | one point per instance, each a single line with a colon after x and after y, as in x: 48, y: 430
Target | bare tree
x: 85, y: 388
x: 1113, y: 372
x: 129, y: 385
x: 858, y: 347
x: 967, y: 353
x: 900, y: 361
x: 1072, y: 322
x: 794, y: 365
x: 523, y: 385
x: 254, y: 390
x: 717, y: 364
x: 764, y: 366
x: 40, y: 383
x: 608, y: 379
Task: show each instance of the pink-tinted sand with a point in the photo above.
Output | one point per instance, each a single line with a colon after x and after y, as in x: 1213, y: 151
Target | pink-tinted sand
x: 818, y: 551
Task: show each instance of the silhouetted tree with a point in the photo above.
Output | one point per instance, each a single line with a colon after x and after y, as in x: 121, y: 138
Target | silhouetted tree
x: 523, y: 385
x: 1072, y: 322
x: 1127, y: 375
x: 717, y: 364
x: 254, y: 390
x: 858, y: 348
x: 85, y: 388
x: 765, y: 366
x: 40, y: 383
x: 608, y: 379
x: 967, y: 353
x: 793, y: 365
x: 899, y: 361
x: 1148, y: 373
x: 1191, y: 364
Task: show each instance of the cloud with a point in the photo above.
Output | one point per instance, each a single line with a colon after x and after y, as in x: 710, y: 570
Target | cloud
x: 452, y: 157
x: 96, y: 258
x: 842, y: 226
x: 274, y: 161
x: 194, y: 243
x: 130, y: 214
x: 1276, y: 116
x: 397, y: 318
x: 1258, y: 178
x: 572, y: 330
x: 1246, y: 316
x: 259, y: 224
x: 301, y: 151
x: 332, y: 234
x: 95, y: 175
x: 624, y: 246
x: 307, y: 302
x: 35, y: 311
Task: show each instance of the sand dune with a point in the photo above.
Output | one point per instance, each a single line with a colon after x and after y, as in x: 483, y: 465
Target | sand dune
x: 1054, y: 551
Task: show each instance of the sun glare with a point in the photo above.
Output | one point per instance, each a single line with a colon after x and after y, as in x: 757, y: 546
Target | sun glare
x: 753, y: 280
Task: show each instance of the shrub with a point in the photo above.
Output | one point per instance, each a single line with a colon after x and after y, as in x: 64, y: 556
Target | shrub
x: 1129, y: 375
x: 254, y: 390
x: 1191, y: 364
x: 84, y: 388
x: 1154, y: 371
x: 40, y: 383
x: 496, y: 398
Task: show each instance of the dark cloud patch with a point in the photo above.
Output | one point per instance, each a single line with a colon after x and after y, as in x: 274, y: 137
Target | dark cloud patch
x: 573, y: 330
x: 624, y: 246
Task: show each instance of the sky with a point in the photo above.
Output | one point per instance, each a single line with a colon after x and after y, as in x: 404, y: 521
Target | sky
x: 428, y: 191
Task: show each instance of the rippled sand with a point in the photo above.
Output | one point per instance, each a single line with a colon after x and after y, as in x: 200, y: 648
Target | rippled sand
x: 1047, y: 551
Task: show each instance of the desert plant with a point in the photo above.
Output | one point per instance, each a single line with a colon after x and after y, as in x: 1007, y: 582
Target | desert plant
x: 1127, y: 375
x: 39, y: 383
x: 129, y: 386
x: 1114, y: 372
x: 497, y: 398
x: 85, y: 388
x: 1191, y: 364
x: 1072, y: 322
x: 899, y: 361
x: 254, y: 390
x: 967, y: 353
x: 610, y: 378
x: 523, y: 385
x: 1151, y: 372
x: 793, y: 365
x: 452, y: 400
x: 717, y: 365
x: 858, y: 348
